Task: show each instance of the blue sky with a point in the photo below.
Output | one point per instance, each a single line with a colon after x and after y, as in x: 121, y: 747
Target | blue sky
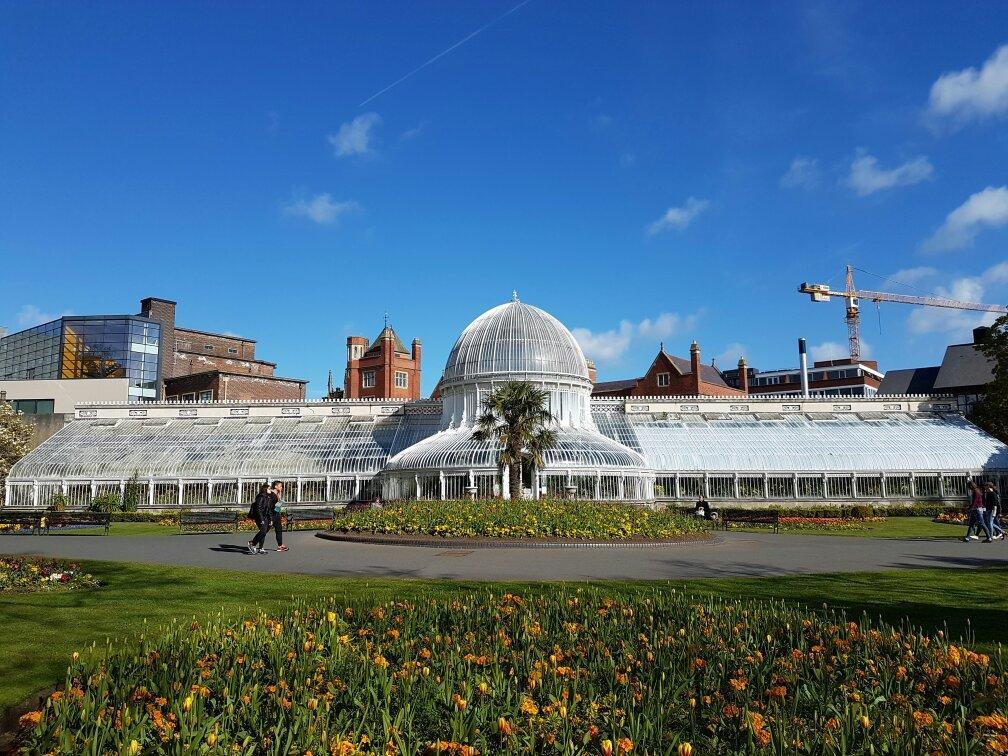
x: 645, y: 171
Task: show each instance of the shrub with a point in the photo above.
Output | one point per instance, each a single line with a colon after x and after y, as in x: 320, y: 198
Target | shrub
x: 516, y: 519
x: 132, y: 494
x: 105, y: 503
x: 58, y: 503
x: 571, y: 671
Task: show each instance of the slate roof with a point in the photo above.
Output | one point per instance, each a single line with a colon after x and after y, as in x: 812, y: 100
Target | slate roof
x: 386, y: 333
x: 963, y: 366
x: 910, y: 381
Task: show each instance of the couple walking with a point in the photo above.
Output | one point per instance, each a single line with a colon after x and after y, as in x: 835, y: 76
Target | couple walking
x: 267, y: 510
x: 984, y: 505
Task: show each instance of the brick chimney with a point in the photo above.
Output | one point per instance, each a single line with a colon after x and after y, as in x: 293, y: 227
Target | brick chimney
x: 694, y: 358
x: 743, y: 376
x: 355, y: 348
x: 162, y: 311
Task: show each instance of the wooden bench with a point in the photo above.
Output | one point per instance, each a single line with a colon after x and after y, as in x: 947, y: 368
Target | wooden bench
x: 32, y: 520
x: 199, y: 519
x: 93, y: 519
x: 295, y: 515
x: 751, y: 518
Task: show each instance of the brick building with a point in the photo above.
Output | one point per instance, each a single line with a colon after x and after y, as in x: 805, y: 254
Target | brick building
x: 826, y: 378
x: 382, y: 370
x: 672, y: 376
x: 204, y: 366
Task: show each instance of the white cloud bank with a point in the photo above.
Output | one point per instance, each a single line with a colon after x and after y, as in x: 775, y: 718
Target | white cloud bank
x: 679, y: 217
x: 985, y: 209
x: 354, y: 137
x: 803, y: 174
x: 969, y: 94
x: 866, y: 177
x: 959, y: 323
x: 30, y: 315
x: 609, y: 346
x: 321, y: 209
x: 834, y: 350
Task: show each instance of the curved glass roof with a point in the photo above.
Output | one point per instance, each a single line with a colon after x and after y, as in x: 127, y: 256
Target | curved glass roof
x: 575, y: 449
x: 516, y: 339
x: 224, y: 448
x: 805, y: 443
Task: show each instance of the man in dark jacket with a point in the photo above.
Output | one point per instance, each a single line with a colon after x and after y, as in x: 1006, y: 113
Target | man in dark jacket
x: 992, y: 501
x: 263, y: 509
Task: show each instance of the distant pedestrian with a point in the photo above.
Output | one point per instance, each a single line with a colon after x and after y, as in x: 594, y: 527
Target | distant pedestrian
x: 278, y: 509
x: 977, y: 515
x: 992, y: 503
x: 262, y: 512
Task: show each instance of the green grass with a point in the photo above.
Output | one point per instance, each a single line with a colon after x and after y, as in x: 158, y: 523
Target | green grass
x: 891, y: 527
x: 40, y: 631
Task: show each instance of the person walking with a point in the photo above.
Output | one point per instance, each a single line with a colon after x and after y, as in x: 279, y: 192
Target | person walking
x: 992, y: 503
x: 263, y: 509
x: 278, y: 510
x: 977, y: 515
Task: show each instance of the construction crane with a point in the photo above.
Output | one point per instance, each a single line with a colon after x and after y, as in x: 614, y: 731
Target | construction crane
x: 823, y: 293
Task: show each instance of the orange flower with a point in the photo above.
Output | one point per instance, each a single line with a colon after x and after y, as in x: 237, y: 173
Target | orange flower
x: 504, y: 727
x: 923, y: 719
x: 30, y: 719
x: 624, y: 745
x: 606, y: 746
x: 684, y: 749
x: 380, y: 661
x: 528, y: 706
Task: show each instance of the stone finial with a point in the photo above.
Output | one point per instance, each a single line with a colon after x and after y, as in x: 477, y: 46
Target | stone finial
x: 742, y: 363
x: 694, y: 348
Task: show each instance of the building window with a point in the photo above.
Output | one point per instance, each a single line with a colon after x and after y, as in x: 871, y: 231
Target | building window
x: 232, y: 350
x: 206, y: 396
x: 663, y: 379
x: 189, y: 397
x: 208, y: 347
x: 33, y: 406
x: 367, y: 379
x: 401, y: 380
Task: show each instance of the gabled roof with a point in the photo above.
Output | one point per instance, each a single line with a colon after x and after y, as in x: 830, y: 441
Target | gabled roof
x: 708, y: 373
x: 386, y: 333
x: 608, y: 387
x: 963, y: 366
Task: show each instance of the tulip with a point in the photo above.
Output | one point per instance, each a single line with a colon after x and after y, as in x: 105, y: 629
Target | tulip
x: 134, y: 748
x: 606, y: 746
x: 211, y: 739
x: 685, y: 749
x: 187, y: 703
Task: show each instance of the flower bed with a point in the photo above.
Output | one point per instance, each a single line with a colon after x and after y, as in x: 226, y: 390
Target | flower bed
x: 817, y: 524
x: 31, y: 574
x: 952, y: 518
x: 570, y: 672
x: 497, y: 518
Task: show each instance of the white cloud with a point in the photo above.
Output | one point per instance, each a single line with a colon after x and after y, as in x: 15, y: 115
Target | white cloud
x: 988, y: 208
x: 414, y: 132
x: 679, y: 217
x: 912, y: 275
x: 609, y: 346
x: 354, y: 137
x: 30, y: 315
x: 867, y: 178
x: 728, y: 358
x: 803, y: 174
x: 627, y: 159
x: 833, y: 350
x: 971, y: 94
x: 321, y: 208
x: 959, y: 323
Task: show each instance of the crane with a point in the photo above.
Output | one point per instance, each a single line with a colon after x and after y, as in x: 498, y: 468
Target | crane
x: 823, y: 293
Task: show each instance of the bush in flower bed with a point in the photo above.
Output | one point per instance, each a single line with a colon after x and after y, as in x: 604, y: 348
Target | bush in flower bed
x: 541, y: 519
x: 566, y: 672
x: 20, y: 574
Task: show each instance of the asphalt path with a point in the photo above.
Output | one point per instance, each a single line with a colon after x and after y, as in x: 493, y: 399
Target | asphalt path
x: 734, y: 555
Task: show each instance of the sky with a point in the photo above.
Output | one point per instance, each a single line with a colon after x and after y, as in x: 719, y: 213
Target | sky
x: 645, y: 171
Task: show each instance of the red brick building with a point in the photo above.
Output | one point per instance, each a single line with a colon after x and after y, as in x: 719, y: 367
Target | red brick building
x: 202, y: 366
x: 383, y: 370
x: 673, y: 376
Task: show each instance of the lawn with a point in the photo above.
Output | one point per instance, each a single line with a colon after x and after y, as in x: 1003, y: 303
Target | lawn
x: 890, y: 527
x: 40, y: 631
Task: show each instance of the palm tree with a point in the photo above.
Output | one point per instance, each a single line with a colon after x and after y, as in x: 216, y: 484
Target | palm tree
x: 517, y: 418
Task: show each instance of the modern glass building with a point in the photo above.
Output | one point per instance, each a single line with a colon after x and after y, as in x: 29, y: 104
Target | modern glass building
x: 87, y: 347
x: 759, y: 450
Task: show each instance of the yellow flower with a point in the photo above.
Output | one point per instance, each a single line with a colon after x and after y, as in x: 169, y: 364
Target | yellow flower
x: 330, y: 617
x: 606, y: 746
x: 134, y: 748
x: 685, y: 749
x: 187, y: 703
x: 211, y: 739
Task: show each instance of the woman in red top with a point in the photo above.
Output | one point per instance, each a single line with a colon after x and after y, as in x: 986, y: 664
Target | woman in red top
x: 976, y: 514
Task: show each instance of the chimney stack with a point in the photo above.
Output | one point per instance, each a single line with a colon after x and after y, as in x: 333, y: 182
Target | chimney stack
x: 743, y: 376
x: 694, y: 354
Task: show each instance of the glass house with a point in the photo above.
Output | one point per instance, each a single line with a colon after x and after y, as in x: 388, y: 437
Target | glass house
x: 756, y: 449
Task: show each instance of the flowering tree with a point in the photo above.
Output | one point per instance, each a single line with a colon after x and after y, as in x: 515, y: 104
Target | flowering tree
x: 15, y: 439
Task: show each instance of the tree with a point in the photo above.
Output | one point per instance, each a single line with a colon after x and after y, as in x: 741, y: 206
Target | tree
x: 517, y: 418
x: 991, y: 412
x: 15, y: 438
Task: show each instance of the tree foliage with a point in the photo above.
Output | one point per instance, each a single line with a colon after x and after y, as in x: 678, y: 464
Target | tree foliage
x: 16, y: 436
x: 517, y: 418
x: 991, y: 412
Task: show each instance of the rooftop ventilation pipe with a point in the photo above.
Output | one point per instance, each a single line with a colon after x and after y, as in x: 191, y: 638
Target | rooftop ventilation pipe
x: 803, y: 360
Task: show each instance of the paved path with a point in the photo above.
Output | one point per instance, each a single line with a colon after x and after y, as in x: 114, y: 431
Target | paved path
x: 736, y: 555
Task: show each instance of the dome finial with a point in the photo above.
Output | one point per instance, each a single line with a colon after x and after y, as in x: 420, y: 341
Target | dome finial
x: 514, y: 295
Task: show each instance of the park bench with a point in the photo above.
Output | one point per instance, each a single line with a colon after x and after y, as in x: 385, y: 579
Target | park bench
x: 92, y: 519
x: 751, y: 518
x: 200, y: 519
x: 294, y: 515
x: 24, y: 519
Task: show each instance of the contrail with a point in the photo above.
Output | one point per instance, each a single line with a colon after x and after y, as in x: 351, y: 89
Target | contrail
x: 443, y: 53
